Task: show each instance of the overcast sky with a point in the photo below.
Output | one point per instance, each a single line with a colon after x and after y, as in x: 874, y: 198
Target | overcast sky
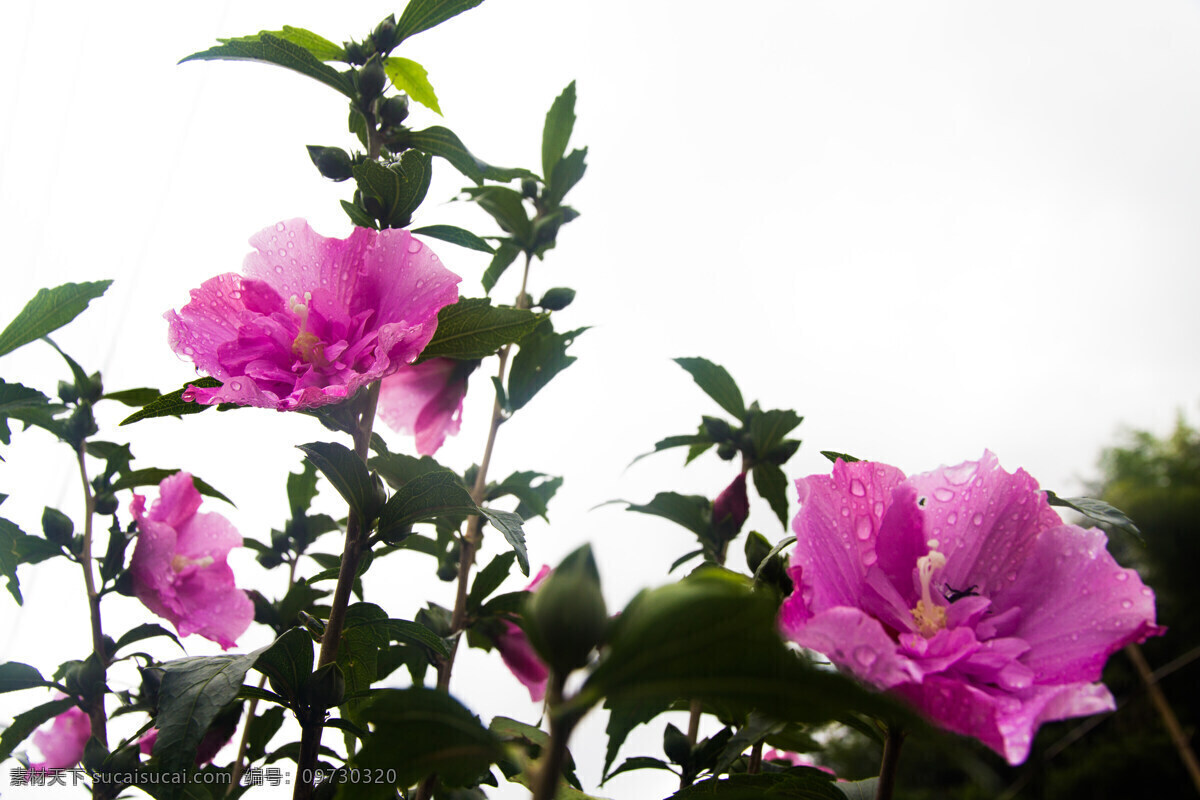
x: 931, y: 228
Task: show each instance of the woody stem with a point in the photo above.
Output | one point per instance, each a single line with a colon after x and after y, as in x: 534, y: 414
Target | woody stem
x: 95, y: 708
x: 891, y: 760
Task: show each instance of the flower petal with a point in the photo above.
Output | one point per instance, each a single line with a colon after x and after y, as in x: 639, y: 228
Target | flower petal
x: 424, y: 400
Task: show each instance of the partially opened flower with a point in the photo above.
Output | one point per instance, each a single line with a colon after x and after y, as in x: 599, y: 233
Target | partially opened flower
x: 518, y: 654
x: 963, y: 592
x: 314, y: 319
x: 425, y: 400
x: 179, y: 569
x: 63, y: 742
x: 731, y: 507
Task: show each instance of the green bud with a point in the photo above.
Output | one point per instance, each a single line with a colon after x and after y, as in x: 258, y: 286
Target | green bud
x: 331, y: 162
x: 717, y: 429
x: 355, y: 53
x: 67, y: 392
x: 384, y: 35
x: 94, y: 755
x: 106, y: 504
x: 94, y: 389
x: 557, y: 299
x: 80, y: 425
x: 86, y: 678
x: 57, y: 526
x: 529, y: 188
x: 566, y: 617
x: 676, y: 746
x: 325, y: 688
x: 727, y: 451
x: 371, y: 79
x: 757, y: 548
x: 394, y: 110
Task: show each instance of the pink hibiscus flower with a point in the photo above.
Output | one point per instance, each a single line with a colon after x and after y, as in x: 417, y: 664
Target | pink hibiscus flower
x: 425, y: 400
x: 963, y: 592
x: 314, y: 319
x: 63, y: 742
x: 178, y: 566
x: 518, y: 654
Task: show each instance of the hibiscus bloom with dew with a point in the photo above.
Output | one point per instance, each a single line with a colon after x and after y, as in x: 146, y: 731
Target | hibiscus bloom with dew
x: 425, y: 400
x: 313, y: 320
x: 62, y: 743
x: 179, y: 566
x: 963, y: 592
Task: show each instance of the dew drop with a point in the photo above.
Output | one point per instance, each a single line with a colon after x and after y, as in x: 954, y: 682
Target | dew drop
x: 977, y: 519
x: 235, y: 385
x: 1122, y: 576
x: 878, y: 508
x: 414, y: 246
x: 943, y: 494
x: 189, y: 351
x: 279, y: 226
x: 856, y: 486
x: 845, y: 511
x: 862, y: 528
x: 291, y: 245
x: 952, y: 517
x: 1126, y: 604
x: 1075, y: 636
x: 346, y: 276
x: 865, y: 656
x: 420, y: 283
x: 1012, y: 576
x: 279, y: 268
x: 1146, y: 592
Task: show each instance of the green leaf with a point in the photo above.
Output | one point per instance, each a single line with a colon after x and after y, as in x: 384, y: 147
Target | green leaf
x: 710, y: 637
x: 772, y: 484
x: 398, y: 469
x: 193, y: 691
x: 269, y: 49
x: 152, y: 476
x: 48, y: 311
x: 15, y: 676
x: 717, y: 383
x: 260, y: 729
x: 443, y: 142
x: 321, y: 48
x: 18, y: 547
x: 144, y: 631
x: 622, y: 720
x: 692, y: 511
x: 17, y: 401
x: 567, y: 173
x: 507, y: 207
x: 833, y: 456
x: 783, y: 786
x: 543, y: 355
x: 488, y: 579
x: 472, y: 328
x: 506, y: 254
x: 419, y: 732
x: 683, y: 440
x: 534, y: 498
x: 347, y: 473
x: 411, y: 78
x: 639, y: 762
x: 363, y: 636
x: 301, y: 489
x: 173, y: 404
x: 865, y: 789
x: 557, y: 299
x: 358, y: 216
x: 1098, y: 510
x: 556, y: 133
x: 287, y: 662
x: 424, y: 498
x: 416, y: 171
x: 509, y: 524
x: 683, y: 559
x: 458, y: 236
x: 421, y: 15
x: 135, y: 398
x: 768, y: 428
x: 27, y: 722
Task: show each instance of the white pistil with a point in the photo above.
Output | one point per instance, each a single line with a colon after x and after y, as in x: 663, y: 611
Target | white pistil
x: 930, y: 617
x: 306, y: 345
x: 180, y: 562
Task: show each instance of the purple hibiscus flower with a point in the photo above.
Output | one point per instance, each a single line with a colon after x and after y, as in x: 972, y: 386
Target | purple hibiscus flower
x: 314, y: 319
x: 518, y: 654
x: 425, y: 400
x: 178, y: 566
x: 963, y: 592
x: 63, y: 742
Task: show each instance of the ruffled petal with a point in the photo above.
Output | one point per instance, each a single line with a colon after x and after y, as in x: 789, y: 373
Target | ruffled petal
x: 522, y: 661
x: 857, y: 642
x: 207, y: 536
x: 424, y: 400
x: 213, y: 606
x: 62, y: 744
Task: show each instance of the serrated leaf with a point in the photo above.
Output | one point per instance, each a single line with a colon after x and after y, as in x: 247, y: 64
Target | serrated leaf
x: 152, y: 476
x: 683, y: 440
x: 1098, y: 510
x: 287, y: 662
x: 421, y: 15
x: 346, y: 472
x: 27, y: 722
x: 413, y: 79
x: 454, y: 235
x: 534, y: 498
x: 321, y: 48
x: 48, y: 311
x: 768, y: 428
x: 358, y: 216
x: 15, y: 676
x: 568, y: 172
x: 443, y: 142
x: 506, y: 254
x: 145, y: 631
x: 172, y: 404
x: 507, y: 207
x: 398, y: 469
x: 543, y: 355
x: 833, y: 456
x: 683, y: 559
x: 376, y: 180
x: 865, y: 789
x: 488, y: 579
x: 18, y: 547
x: 691, y: 511
x: 771, y: 484
x: 472, y: 328
x: 639, y: 762
x: 556, y: 133
x: 416, y: 171
x: 135, y: 398
x: 510, y: 525
x: 717, y: 383
x: 269, y: 49
x: 424, y: 498
x: 418, y: 732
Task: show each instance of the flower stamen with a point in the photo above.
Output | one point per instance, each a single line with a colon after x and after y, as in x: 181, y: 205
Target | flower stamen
x: 307, y: 345
x: 929, y: 616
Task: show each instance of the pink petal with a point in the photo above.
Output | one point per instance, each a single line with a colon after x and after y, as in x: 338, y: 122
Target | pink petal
x: 177, y: 500
x: 519, y: 656
x: 424, y: 400
x: 63, y: 742
x: 857, y: 642
x: 213, y: 606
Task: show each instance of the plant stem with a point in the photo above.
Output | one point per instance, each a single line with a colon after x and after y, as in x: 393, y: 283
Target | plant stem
x: 891, y: 759
x: 545, y: 783
x: 755, y: 765
x: 1170, y: 721
x: 95, y: 708
x: 356, y: 541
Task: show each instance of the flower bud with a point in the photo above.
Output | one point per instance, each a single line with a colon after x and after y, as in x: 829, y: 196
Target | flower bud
x: 384, y: 35
x: 371, y: 79
x: 731, y: 508
x: 57, y: 526
x: 355, y: 53
x: 106, y: 504
x: 727, y: 450
x: 566, y: 617
x: 331, y: 162
x: 394, y: 110
x: 529, y: 188
x: 325, y: 688
x: 557, y: 299
x: 717, y: 429
x: 67, y: 392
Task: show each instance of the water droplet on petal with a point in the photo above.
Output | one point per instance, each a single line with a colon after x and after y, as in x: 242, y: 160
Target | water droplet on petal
x: 865, y: 655
x: 977, y: 519
x: 414, y: 246
x: 189, y: 351
x: 279, y: 268
x: 279, y: 226
x: 862, y: 528
x: 869, y: 557
x: 235, y: 385
x: 952, y: 517
x: 1122, y: 576
x: 943, y: 494
x: 1012, y: 576
x: 1126, y: 604
x: 856, y: 488
x: 845, y: 511
x: 878, y: 508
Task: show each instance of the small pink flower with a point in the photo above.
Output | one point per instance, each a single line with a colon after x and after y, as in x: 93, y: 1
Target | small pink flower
x: 210, y: 744
x: 425, y: 400
x: 178, y: 566
x: 314, y: 319
x: 963, y: 592
x: 518, y: 654
x: 63, y: 742
x: 732, y: 506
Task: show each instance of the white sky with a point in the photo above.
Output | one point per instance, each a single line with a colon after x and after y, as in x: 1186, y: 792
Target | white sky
x: 929, y: 227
